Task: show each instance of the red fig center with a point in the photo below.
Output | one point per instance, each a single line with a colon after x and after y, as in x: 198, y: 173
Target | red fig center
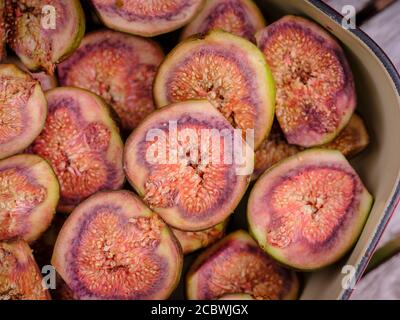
x: 116, y: 257
x: 75, y: 151
x: 212, y: 74
x: 196, y: 179
x: 310, y: 205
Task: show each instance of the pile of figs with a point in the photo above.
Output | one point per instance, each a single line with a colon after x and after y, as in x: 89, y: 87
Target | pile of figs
x: 117, y: 160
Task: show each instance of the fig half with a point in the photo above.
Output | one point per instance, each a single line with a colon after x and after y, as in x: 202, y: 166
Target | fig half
x: 20, y: 278
x: 44, y: 32
x: 225, y: 69
x: 82, y: 143
x: 315, y: 88
x: 146, y: 18
x: 236, y: 265
x: 118, y: 67
x: 114, y: 247
x: 29, y: 193
x: 309, y: 210
x: 178, y: 160
x: 351, y: 140
x: 23, y: 110
x: 240, y: 17
x: 194, y: 240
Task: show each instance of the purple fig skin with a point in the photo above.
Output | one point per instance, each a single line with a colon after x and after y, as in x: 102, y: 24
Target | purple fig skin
x: 240, y: 17
x: 146, y: 18
x: 118, y: 67
x: 44, y: 32
x: 236, y: 265
x: 315, y: 88
x: 308, y: 210
x: 131, y: 252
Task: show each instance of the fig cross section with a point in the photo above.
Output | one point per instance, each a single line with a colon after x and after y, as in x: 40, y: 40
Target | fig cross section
x: 308, y: 210
x: 188, y: 165
x: 114, y: 247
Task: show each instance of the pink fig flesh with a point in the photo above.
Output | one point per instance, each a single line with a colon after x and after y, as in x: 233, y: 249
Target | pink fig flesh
x: 20, y: 278
x: 315, y: 89
x: 309, y: 210
x: 118, y: 67
x: 114, y: 247
x: 82, y: 143
x: 29, y: 193
x: 44, y: 32
x: 236, y: 265
x: 240, y: 17
x: 23, y: 110
x: 177, y: 160
x: 146, y: 18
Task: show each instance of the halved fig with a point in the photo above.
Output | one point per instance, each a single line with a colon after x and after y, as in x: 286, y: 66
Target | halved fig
x: 46, y: 81
x: 315, y: 88
x: 236, y: 296
x: 236, y: 265
x: 118, y: 67
x: 193, y: 240
x: 23, y: 110
x: 183, y: 161
x: 309, y: 210
x: 351, y: 140
x: 225, y: 69
x: 240, y: 17
x: 82, y: 143
x: 44, y: 32
x: 146, y: 18
x: 20, y: 278
x: 29, y: 193
x: 114, y: 247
